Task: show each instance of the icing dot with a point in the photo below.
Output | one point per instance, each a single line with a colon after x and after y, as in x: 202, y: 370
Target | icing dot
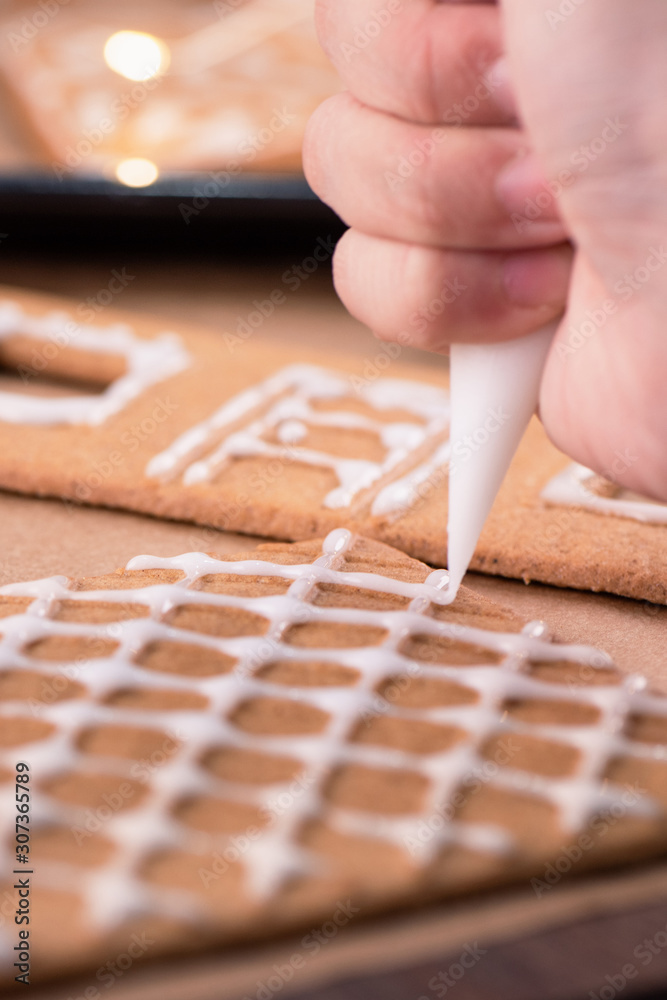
x: 337, y: 541
x: 291, y: 431
x: 439, y: 579
x: 537, y: 630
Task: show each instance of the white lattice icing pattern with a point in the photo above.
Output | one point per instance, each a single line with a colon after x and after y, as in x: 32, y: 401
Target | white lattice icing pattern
x: 115, y: 890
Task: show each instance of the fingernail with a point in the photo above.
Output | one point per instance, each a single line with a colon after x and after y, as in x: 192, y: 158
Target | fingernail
x: 501, y: 87
x: 523, y: 190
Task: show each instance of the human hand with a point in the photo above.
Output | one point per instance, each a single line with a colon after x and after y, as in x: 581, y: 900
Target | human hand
x: 456, y: 235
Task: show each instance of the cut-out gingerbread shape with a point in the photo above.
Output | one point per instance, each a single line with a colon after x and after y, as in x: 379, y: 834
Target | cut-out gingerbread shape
x: 290, y: 444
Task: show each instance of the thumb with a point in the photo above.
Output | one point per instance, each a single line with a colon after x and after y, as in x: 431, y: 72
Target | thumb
x: 591, y: 80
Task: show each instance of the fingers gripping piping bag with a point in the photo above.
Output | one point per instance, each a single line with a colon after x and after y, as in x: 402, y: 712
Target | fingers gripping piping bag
x: 498, y: 382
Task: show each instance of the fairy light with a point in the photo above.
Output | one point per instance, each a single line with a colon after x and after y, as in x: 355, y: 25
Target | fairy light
x: 136, y: 55
x: 137, y: 172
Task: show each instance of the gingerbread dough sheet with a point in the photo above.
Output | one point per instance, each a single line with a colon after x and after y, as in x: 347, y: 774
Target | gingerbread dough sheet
x: 222, y: 748
x: 194, y: 425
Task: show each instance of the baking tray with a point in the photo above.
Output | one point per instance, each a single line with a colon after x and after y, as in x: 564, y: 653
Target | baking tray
x: 250, y: 212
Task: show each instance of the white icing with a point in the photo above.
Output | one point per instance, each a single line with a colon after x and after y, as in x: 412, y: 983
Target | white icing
x: 569, y: 488
x: 115, y: 890
x: 404, y: 492
x: 147, y: 362
x: 236, y: 33
x: 283, y: 405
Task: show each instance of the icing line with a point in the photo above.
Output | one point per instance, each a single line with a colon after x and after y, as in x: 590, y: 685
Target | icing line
x: 148, y: 362
x: 569, y: 488
x: 282, y: 405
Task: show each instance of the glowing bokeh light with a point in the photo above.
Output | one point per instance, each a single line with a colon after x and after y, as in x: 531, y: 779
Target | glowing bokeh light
x: 137, y: 172
x: 136, y: 55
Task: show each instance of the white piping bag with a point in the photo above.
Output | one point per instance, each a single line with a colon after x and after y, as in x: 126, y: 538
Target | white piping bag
x: 494, y: 393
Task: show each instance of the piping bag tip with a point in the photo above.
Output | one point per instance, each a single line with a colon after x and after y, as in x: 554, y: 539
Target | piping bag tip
x: 494, y: 393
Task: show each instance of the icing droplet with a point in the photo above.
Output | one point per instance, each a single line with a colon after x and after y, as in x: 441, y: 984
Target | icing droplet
x: 537, y: 630
x: 337, y: 541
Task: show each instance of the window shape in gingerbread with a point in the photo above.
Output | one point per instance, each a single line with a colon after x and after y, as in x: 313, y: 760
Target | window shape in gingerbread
x: 144, y: 363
